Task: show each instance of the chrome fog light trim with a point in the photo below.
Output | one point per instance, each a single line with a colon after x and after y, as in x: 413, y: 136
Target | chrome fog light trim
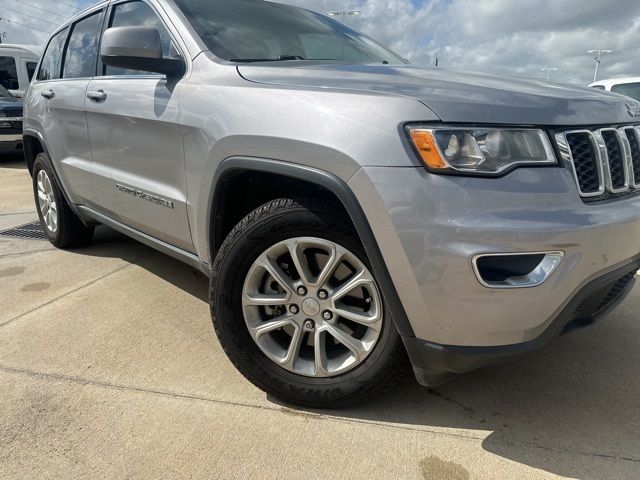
x: 536, y: 277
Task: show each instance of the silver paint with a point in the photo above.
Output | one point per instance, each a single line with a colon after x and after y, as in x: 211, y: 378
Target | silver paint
x: 168, y: 137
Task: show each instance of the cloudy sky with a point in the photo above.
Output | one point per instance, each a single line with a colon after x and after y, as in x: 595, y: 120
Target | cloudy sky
x: 503, y: 36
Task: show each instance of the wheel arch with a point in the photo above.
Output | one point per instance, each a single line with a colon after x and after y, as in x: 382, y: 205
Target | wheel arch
x: 33, y: 144
x: 323, y: 183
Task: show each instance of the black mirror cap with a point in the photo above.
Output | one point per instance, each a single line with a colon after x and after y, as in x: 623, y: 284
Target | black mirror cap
x: 171, y: 67
x: 138, y: 48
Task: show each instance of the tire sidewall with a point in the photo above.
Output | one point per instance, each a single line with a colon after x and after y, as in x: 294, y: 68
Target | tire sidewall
x: 229, y: 318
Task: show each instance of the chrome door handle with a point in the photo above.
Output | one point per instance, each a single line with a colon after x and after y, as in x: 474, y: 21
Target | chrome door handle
x: 98, y: 96
x: 48, y: 94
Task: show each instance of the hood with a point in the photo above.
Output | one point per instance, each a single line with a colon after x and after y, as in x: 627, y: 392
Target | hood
x: 465, y: 97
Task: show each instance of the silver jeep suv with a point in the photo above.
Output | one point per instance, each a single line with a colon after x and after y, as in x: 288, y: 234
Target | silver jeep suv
x: 351, y: 210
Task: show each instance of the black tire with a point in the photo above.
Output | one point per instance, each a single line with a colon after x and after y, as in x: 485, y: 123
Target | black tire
x: 271, y: 223
x: 70, y: 231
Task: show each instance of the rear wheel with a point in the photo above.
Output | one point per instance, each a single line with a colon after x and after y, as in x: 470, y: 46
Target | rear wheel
x: 298, y: 310
x: 62, y: 226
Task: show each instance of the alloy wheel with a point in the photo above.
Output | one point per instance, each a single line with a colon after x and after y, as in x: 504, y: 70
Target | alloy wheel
x: 47, y: 202
x: 312, y: 307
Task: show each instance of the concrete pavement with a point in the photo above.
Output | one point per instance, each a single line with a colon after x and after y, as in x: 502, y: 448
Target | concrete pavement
x: 109, y: 368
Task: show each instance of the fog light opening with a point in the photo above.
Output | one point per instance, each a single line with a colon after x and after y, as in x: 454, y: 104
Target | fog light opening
x: 515, y: 270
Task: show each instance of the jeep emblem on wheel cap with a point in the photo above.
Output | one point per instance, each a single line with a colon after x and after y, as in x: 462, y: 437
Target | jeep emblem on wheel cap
x: 310, y: 307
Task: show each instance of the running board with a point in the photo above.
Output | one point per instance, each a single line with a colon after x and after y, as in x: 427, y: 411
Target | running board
x: 166, y: 248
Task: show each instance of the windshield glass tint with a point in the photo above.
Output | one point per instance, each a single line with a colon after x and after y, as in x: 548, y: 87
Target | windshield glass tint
x: 253, y: 30
x: 629, y: 89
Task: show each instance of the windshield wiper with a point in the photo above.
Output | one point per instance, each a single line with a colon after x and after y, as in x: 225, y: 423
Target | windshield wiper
x: 281, y: 58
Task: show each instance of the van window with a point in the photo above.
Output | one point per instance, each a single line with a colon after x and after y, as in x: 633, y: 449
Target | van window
x: 8, y: 73
x: 52, y: 59
x: 598, y: 87
x: 31, y: 69
x: 82, y: 49
x: 629, y: 89
x: 138, y: 14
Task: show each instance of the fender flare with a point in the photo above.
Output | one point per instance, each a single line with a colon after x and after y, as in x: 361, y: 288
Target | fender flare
x: 346, y: 197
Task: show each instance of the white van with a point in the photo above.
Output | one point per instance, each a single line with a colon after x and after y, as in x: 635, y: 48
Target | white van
x: 17, y: 66
x: 629, y: 86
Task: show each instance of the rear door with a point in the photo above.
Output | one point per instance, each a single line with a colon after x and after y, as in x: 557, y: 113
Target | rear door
x: 57, y: 101
x: 136, y: 139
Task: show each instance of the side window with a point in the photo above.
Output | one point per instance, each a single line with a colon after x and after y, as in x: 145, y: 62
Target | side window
x: 52, y: 60
x: 138, y: 14
x: 598, y: 87
x: 8, y: 73
x: 82, y: 49
x: 31, y: 69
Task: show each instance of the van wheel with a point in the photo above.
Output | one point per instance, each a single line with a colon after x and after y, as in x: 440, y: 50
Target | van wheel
x: 63, y: 227
x: 298, y: 310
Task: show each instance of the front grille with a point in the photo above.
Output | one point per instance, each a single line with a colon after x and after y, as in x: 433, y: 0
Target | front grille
x: 583, y: 151
x: 605, y: 162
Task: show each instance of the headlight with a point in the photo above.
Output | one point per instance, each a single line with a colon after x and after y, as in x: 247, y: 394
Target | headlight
x: 480, y: 150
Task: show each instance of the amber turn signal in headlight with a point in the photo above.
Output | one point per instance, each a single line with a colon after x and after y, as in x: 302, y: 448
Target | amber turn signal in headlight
x: 426, y: 145
x: 480, y: 150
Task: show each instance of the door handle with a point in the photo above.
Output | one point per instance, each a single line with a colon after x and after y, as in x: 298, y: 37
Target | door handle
x: 48, y: 94
x: 97, y: 96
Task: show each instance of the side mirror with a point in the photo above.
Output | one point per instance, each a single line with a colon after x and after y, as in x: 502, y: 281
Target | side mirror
x: 137, y: 48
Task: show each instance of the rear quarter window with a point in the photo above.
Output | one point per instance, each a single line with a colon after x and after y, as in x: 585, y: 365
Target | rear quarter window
x: 31, y: 69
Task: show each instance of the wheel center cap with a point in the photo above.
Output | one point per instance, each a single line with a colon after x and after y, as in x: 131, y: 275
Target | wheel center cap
x: 310, y: 307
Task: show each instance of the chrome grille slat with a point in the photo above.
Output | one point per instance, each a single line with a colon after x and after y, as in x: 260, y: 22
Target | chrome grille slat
x: 605, y: 161
x: 633, y: 141
x: 615, y: 161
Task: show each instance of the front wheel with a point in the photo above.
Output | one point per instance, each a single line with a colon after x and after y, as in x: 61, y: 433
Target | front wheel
x: 298, y: 310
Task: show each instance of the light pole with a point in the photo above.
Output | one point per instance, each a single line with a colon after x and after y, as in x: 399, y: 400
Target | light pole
x: 549, y: 70
x: 343, y: 13
x: 598, y: 59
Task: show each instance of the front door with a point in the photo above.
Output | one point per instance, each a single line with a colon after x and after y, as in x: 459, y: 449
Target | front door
x: 136, y: 141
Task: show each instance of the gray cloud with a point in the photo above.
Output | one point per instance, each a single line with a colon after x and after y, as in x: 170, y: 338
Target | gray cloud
x: 505, y: 36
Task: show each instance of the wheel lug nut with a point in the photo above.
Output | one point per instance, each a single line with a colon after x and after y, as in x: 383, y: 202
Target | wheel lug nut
x: 309, y: 324
x: 294, y: 309
x: 327, y: 315
x: 323, y: 294
x: 302, y: 291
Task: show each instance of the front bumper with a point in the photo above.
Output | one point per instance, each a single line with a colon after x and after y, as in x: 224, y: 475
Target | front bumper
x: 434, y: 364
x: 430, y: 227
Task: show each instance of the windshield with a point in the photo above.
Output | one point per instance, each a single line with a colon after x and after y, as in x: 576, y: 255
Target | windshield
x: 629, y: 89
x: 4, y: 92
x: 257, y: 31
